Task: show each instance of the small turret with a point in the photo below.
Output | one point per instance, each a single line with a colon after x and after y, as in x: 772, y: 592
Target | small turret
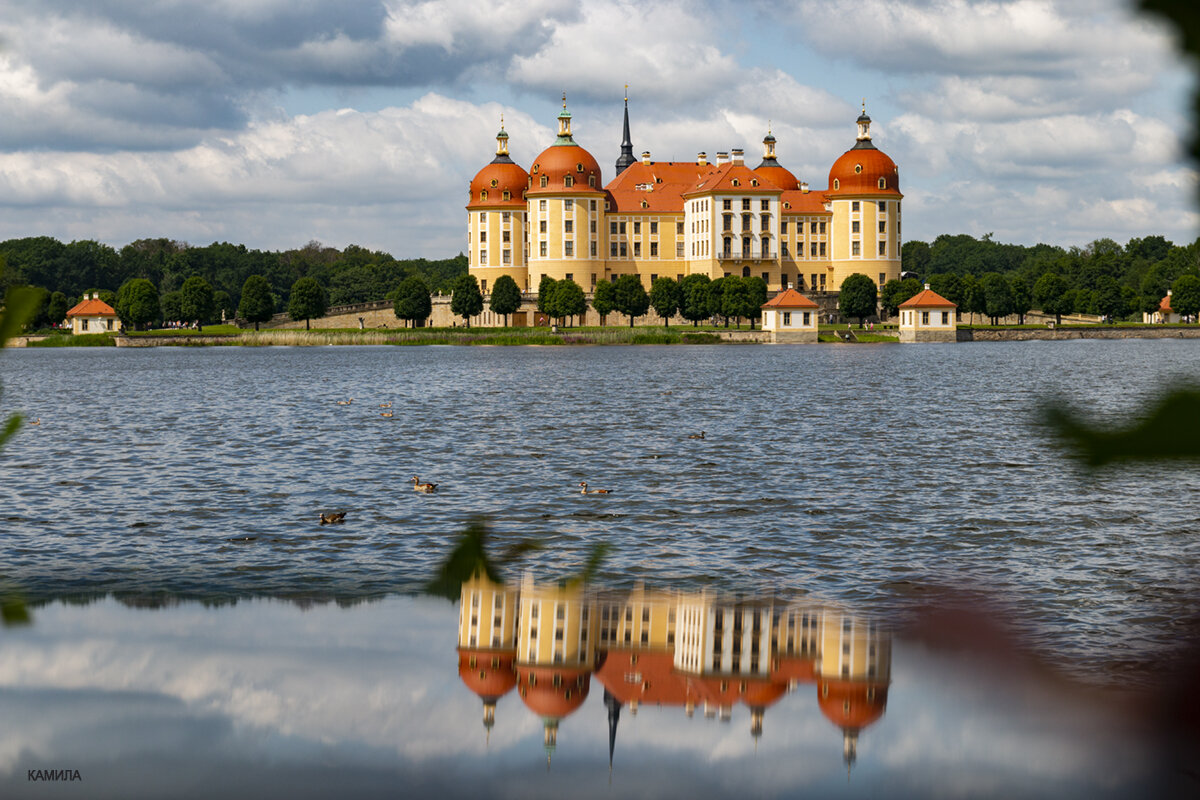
x: 626, y: 158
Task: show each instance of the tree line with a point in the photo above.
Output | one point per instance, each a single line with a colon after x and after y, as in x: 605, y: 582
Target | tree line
x: 995, y: 280
x: 64, y: 272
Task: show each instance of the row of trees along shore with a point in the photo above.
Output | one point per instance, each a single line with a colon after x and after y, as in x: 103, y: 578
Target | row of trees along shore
x: 159, y: 279
x: 67, y: 272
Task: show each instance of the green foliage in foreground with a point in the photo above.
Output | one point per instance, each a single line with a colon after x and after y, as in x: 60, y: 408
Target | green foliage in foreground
x: 1171, y: 431
x: 82, y: 340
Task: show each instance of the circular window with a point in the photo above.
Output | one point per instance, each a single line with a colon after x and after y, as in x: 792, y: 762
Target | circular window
x: 857, y: 169
x: 579, y: 167
x: 494, y: 182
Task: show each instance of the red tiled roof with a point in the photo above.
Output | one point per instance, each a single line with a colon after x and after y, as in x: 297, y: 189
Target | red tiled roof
x: 91, y: 308
x: 780, y: 176
x: 798, y: 202
x: 652, y: 680
x: 789, y: 298
x: 505, y: 175
x: 483, y: 679
x: 721, y: 180
x: 558, y: 161
x: 858, y: 171
x: 547, y: 700
x: 665, y: 182
x: 927, y: 299
x: 1165, y: 305
x: 852, y: 704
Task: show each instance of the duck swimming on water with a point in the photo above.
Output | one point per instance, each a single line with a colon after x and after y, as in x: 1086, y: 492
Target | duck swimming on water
x: 585, y: 490
x: 426, y: 488
x: 334, y: 518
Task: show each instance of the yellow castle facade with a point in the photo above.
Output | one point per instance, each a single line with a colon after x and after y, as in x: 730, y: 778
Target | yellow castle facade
x: 671, y: 219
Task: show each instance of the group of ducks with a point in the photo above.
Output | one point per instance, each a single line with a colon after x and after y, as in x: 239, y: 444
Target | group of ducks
x: 385, y: 414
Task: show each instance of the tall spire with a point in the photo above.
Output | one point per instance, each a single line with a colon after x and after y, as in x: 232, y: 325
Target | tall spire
x: 614, y: 716
x: 626, y: 158
x: 864, y: 130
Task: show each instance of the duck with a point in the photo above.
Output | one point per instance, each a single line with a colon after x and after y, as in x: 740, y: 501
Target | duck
x: 37, y: 421
x: 387, y: 414
x: 699, y: 435
x: 385, y: 405
x: 426, y: 488
x: 334, y: 518
x: 584, y: 490
x: 345, y: 402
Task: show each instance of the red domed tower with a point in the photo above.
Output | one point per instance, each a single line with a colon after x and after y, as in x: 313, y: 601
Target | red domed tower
x: 864, y: 196
x: 496, y: 219
x: 565, y: 202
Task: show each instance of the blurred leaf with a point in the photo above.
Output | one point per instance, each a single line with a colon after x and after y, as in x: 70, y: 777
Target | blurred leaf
x: 10, y: 427
x: 595, y: 558
x: 13, y: 611
x: 1171, y: 431
x: 518, y: 551
x: 19, y: 305
x: 467, y: 559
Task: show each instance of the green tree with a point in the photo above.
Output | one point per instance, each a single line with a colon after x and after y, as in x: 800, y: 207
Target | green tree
x: 569, y: 300
x: 914, y: 257
x: 223, y: 305
x: 857, y: 297
x: 665, y: 298
x: 138, y: 303
x: 974, y: 299
x: 604, y: 299
x: 1051, y: 296
x: 466, y: 300
x: 1022, y: 301
x: 896, y: 291
x: 506, y: 297
x: 630, y: 297
x: 1185, y: 296
x: 257, y: 304
x: 1110, y: 300
x: 716, y: 289
x: 756, y: 289
x: 694, y: 298
x: 196, y: 300
x: 949, y: 286
x: 997, y: 296
x: 172, y: 306
x: 411, y: 301
x: 307, y: 301
x: 735, y: 298
x: 545, y: 296
x: 56, y: 311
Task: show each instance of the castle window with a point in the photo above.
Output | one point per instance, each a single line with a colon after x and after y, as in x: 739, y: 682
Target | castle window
x: 624, y: 250
x: 837, y: 184
x: 544, y: 180
x: 882, y: 183
x: 579, y: 167
x: 679, y: 229
x: 568, y: 226
x: 783, y: 226
x: 637, y: 249
x: 612, y: 249
x: 505, y: 217
x: 592, y: 183
x: 858, y: 169
x: 854, y: 226
x: 787, y: 205
x: 745, y: 272
x: 882, y: 226
x: 621, y: 228
x: 856, y: 248
x: 679, y: 249
x: 542, y: 226
x: 766, y: 222
x: 727, y: 204
x: 812, y: 247
x: 822, y: 256
x: 754, y: 181
x: 593, y: 256
x: 568, y: 205
x: 785, y: 250
x: 745, y: 204
x: 483, y: 195
x: 654, y: 229
x: 821, y: 229
x: 612, y: 228
x: 735, y: 182
x: 568, y: 181
x: 568, y: 250
x: 506, y: 236
x: 592, y: 225
x: 592, y: 205
x: 645, y: 204
x: 637, y: 228
x: 483, y: 236
x: 507, y: 194
x: 654, y: 249
x: 535, y: 167
x: 854, y: 207
x: 541, y: 205
x: 494, y: 183
x: 882, y: 249
x: 507, y: 260
x: 542, y: 249
x: 483, y: 256
x: 729, y: 222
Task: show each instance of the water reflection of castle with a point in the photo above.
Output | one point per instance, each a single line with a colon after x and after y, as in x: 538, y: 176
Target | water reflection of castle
x: 665, y: 648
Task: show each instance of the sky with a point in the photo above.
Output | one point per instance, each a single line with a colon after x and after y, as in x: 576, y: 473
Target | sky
x: 271, y: 123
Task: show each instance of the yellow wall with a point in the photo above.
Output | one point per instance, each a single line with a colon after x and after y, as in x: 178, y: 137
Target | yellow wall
x: 868, y: 260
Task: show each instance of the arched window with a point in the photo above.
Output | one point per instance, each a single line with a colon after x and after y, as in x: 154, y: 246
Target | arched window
x: 735, y: 182
x: 745, y: 272
x: 568, y: 181
x: 837, y: 184
x: 592, y: 181
x: 544, y: 180
x: 882, y: 183
x: 483, y: 195
x: 507, y: 195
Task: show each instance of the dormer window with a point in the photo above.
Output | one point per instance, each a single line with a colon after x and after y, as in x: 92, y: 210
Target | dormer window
x: 568, y: 181
x: 882, y: 183
x: 507, y: 195
x: 535, y: 167
x: 483, y: 195
x: 837, y: 184
x: 754, y: 181
x: 735, y: 182
x: 592, y: 181
x: 579, y: 167
x: 494, y: 183
x: 544, y: 180
x: 858, y: 169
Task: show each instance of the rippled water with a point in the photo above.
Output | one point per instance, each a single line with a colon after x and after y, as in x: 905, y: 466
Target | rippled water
x: 856, y: 473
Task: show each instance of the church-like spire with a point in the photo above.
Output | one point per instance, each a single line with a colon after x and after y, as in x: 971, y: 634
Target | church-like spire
x: 864, y: 130
x: 502, y: 156
x: 564, y: 125
x: 614, y: 716
x: 626, y: 158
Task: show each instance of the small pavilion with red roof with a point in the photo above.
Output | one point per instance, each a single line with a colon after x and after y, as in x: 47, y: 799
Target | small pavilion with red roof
x: 791, y: 318
x: 928, y: 317
x: 93, y: 315
x: 1164, y: 314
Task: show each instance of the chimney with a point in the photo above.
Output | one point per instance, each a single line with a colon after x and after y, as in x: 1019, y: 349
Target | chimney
x: 927, y: 287
x: 1168, y: 292
x: 722, y: 157
x: 738, y: 156
x: 646, y: 157
x: 702, y: 159
x: 803, y: 187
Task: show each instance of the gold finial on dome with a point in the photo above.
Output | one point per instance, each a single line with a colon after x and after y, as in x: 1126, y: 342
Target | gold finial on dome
x: 627, y: 93
x: 564, y: 101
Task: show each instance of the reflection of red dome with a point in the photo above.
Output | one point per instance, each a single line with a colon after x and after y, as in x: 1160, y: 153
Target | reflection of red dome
x: 487, y: 673
x: 557, y: 162
x: 496, y: 178
x: 760, y: 694
x: 553, y: 691
x: 852, y: 704
x: 859, y: 171
x: 725, y: 690
x: 795, y: 668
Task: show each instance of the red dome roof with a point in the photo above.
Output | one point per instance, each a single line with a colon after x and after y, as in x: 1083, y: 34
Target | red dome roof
x: 542, y: 697
x: 860, y: 170
x: 488, y: 681
x: 558, y: 161
x: 494, y: 179
x: 852, y: 704
x: 780, y: 176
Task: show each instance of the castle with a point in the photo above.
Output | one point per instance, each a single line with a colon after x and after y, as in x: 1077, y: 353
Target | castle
x: 671, y: 219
